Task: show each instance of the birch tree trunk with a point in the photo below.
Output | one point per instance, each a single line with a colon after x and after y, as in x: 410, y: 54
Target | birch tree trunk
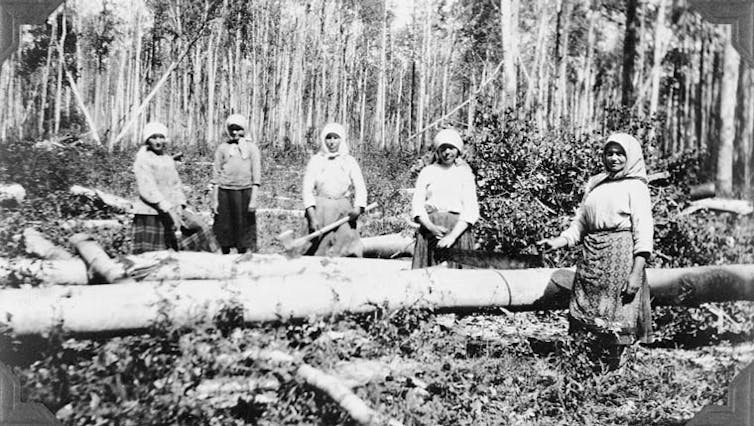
x: 728, y: 90
x: 46, y: 78
x: 629, y: 53
x: 61, y: 65
x: 509, y: 33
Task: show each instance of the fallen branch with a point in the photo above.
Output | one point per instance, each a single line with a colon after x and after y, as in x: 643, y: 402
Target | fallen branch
x: 740, y: 207
x: 118, y: 203
x: 48, y: 272
x: 328, y: 384
x: 37, y: 245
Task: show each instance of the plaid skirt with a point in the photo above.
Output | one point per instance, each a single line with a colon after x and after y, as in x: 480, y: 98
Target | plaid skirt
x: 155, y: 232
x: 234, y: 225
x: 426, y: 243
x: 343, y: 241
x: 597, y: 304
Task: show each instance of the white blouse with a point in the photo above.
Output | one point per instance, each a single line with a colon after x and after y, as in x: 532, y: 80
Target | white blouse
x: 449, y: 189
x: 615, y: 205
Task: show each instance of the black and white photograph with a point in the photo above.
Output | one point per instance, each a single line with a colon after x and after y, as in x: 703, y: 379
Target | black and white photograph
x: 377, y: 212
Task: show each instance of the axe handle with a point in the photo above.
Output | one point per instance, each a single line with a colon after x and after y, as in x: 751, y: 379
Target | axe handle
x: 330, y: 227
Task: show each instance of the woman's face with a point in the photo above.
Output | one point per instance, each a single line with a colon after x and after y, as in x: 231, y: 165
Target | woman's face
x: 236, y: 132
x: 614, y: 158
x: 157, y: 144
x: 332, y: 141
x: 447, y: 154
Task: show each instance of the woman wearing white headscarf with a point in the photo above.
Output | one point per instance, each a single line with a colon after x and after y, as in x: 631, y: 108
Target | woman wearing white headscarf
x: 160, y: 208
x: 444, y: 203
x: 235, y: 182
x: 610, y: 296
x: 332, y: 178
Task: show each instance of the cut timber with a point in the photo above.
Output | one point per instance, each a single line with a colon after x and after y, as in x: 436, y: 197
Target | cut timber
x: 49, y: 272
x: 123, y: 307
x: 388, y: 246
x: 118, y: 203
x: 11, y: 194
x: 101, y: 265
x: 172, y: 266
x: 93, y: 224
x: 37, y: 245
x: 741, y: 207
x: 703, y: 190
x: 658, y: 176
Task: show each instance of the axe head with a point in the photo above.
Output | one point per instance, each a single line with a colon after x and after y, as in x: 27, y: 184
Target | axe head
x: 292, y: 248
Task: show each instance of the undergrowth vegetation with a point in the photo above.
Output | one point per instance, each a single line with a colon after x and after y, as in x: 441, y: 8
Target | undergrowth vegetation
x: 425, y: 367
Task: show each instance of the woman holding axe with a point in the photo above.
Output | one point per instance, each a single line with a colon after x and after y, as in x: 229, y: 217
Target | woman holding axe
x: 444, y: 203
x: 331, y: 179
x: 160, y: 208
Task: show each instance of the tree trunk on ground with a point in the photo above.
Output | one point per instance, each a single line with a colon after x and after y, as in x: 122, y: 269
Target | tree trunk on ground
x: 388, y: 246
x: 102, y: 266
x: 118, y: 203
x: 742, y: 207
x: 128, y: 307
x: 728, y: 88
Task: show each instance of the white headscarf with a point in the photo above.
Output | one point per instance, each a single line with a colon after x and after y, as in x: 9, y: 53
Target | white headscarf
x: 240, y: 121
x: 339, y: 130
x: 634, y: 168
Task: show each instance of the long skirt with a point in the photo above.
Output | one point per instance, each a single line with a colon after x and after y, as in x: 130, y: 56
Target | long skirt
x: 597, y: 305
x: 155, y: 232
x: 426, y: 243
x: 235, y: 226
x: 343, y: 241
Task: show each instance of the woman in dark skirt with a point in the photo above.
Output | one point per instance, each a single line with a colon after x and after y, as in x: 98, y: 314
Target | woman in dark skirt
x: 444, y: 202
x: 235, y: 183
x: 160, y: 209
x: 609, y: 305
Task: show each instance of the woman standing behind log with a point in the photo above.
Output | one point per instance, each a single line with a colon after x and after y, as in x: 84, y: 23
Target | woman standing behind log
x: 160, y: 208
x: 444, y: 202
x: 235, y: 182
x: 609, y: 305
x: 331, y: 179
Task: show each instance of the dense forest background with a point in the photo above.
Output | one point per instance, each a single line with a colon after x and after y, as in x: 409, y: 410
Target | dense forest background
x: 389, y: 71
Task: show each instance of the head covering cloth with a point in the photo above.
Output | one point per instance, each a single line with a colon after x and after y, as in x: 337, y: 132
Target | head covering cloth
x: 240, y: 121
x: 153, y: 128
x: 339, y: 130
x: 635, y: 167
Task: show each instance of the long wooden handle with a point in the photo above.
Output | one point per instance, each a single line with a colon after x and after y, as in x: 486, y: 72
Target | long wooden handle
x: 333, y: 225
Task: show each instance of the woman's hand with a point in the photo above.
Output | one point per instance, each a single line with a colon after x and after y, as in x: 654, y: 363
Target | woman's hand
x: 553, y: 243
x: 213, y: 199
x: 446, y: 242
x: 354, y: 214
x: 311, y: 218
x: 437, y: 230
x: 633, y: 284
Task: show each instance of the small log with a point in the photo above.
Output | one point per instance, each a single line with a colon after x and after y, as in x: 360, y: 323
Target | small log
x: 740, y: 207
x: 388, y: 246
x: 93, y: 224
x: 37, y: 245
x: 49, y: 272
x: 658, y: 176
x: 703, y: 190
x: 101, y: 265
x: 11, y: 194
x: 118, y: 203
x: 233, y: 385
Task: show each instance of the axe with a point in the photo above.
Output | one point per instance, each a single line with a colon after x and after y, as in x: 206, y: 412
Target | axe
x: 293, y: 246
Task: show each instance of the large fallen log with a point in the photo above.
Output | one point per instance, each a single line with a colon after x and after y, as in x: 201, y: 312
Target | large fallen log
x: 172, y: 266
x: 103, y: 268
x: 123, y: 307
